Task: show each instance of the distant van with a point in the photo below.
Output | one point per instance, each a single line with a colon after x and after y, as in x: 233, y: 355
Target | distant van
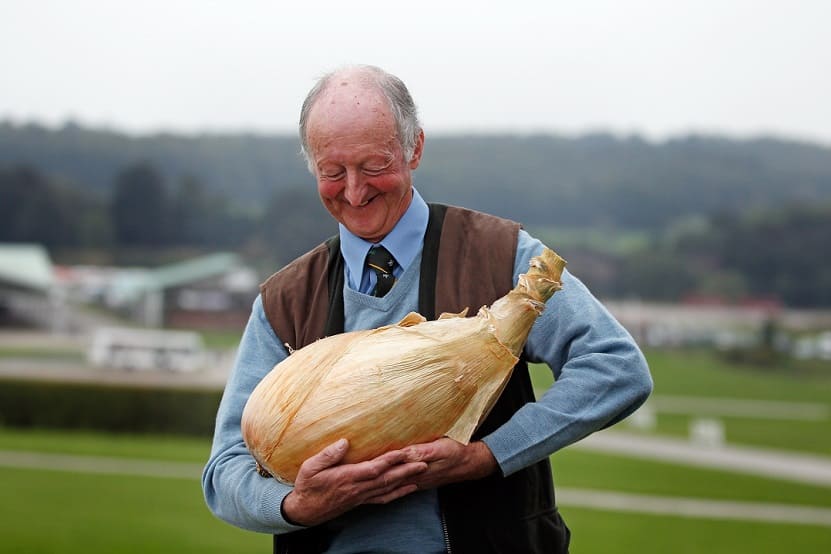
x: 146, y: 349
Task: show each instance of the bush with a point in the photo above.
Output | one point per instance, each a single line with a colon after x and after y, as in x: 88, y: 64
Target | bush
x: 107, y: 408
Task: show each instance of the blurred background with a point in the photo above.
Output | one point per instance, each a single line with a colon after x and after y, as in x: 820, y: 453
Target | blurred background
x: 678, y: 155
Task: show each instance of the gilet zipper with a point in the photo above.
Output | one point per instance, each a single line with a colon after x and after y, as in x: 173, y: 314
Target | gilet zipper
x: 446, y: 533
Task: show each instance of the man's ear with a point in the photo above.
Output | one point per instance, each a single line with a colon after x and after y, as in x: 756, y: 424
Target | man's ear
x: 418, y: 150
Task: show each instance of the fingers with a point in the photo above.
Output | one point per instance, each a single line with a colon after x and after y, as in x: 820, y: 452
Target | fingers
x: 326, y: 486
x: 437, y: 450
x: 393, y: 483
x: 395, y: 462
x: 386, y: 498
x: 341, y: 488
x: 377, y: 478
x: 449, y: 461
x: 330, y: 456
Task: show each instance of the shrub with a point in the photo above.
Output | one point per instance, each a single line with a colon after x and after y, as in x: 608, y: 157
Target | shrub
x: 107, y: 408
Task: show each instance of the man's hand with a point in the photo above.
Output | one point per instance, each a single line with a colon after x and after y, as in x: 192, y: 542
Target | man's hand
x: 449, y: 461
x: 326, y: 488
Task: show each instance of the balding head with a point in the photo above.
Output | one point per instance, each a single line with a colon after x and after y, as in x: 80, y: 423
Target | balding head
x: 366, y: 78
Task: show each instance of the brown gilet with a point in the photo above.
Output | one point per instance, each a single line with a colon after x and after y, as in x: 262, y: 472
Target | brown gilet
x: 467, y: 262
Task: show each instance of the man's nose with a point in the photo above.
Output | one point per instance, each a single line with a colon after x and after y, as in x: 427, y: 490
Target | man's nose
x: 355, y: 190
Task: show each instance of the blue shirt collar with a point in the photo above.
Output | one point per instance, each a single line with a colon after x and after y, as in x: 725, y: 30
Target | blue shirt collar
x: 404, y: 242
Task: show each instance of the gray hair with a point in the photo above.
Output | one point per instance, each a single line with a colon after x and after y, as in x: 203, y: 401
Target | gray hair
x: 403, y: 108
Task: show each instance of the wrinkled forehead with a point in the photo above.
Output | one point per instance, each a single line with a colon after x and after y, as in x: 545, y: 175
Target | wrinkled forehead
x: 349, y: 108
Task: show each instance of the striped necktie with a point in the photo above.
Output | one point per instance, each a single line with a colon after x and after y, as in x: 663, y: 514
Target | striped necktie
x: 382, y: 263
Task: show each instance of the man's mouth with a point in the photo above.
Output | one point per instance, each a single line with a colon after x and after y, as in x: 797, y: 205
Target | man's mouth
x: 366, y: 202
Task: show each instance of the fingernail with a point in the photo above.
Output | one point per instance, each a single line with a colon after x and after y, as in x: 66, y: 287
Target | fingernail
x: 341, y: 444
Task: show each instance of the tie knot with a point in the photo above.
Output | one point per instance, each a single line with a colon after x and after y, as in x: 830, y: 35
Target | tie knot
x: 382, y: 263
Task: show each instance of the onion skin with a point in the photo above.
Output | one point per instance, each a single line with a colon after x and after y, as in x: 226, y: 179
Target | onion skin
x: 387, y: 388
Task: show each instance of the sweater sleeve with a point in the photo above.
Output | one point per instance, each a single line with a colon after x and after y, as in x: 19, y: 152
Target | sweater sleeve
x: 233, y: 490
x: 600, y: 373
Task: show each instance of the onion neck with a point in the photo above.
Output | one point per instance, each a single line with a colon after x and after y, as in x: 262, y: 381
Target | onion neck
x: 514, y: 314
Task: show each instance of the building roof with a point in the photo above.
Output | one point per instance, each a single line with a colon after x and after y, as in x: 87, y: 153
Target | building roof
x: 25, y: 265
x: 193, y: 270
x: 132, y: 285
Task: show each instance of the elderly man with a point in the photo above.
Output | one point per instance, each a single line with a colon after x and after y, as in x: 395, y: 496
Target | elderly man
x: 362, y: 140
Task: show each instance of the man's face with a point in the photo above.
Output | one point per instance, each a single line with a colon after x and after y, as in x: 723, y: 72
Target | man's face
x: 362, y: 176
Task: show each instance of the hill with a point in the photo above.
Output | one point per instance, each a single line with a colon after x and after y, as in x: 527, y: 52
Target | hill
x: 591, y: 180
x: 696, y: 216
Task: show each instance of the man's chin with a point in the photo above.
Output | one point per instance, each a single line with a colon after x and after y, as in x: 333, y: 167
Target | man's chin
x: 368, y: 233
x: 366, y: 226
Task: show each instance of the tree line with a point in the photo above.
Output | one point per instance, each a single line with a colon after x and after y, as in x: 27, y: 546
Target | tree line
x: 715, y: 217
x: 592, y: 180
x: 774, y: 254
x: 147, y: 212
x: 770, y: 253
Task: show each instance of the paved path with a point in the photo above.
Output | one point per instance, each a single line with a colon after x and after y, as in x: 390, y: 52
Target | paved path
x: 694, y: 507
x: 739, y: 407
x: 105, y: 465
x: 777, y: 464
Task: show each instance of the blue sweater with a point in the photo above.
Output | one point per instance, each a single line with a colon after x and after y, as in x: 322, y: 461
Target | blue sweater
x: 601, y: 377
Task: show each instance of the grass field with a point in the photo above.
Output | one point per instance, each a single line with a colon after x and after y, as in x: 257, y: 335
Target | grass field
x: 596, y: 532
x: 52, y: 511
x: 701, y: 374
x: 57, y: 511
x: 49, y: 512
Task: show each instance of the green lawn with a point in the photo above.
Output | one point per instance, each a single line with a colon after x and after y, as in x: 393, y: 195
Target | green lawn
x: 701, y: 373
x: 151, y: 447
x: 697, y: 373
x: 38, y: 353
x: 595, y: 532
x: 572, y: 467
x: 807, y: 436
x: 50, y: 511
x: 56, y: 511
x: 221, y: 340
x: 577, y: 468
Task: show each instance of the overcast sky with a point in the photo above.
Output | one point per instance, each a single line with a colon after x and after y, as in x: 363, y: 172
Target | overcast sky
x: 657, y: 68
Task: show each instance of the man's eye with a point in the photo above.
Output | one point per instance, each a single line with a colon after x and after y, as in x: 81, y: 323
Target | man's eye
x: 332, y: 175
x: 373, y: 171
